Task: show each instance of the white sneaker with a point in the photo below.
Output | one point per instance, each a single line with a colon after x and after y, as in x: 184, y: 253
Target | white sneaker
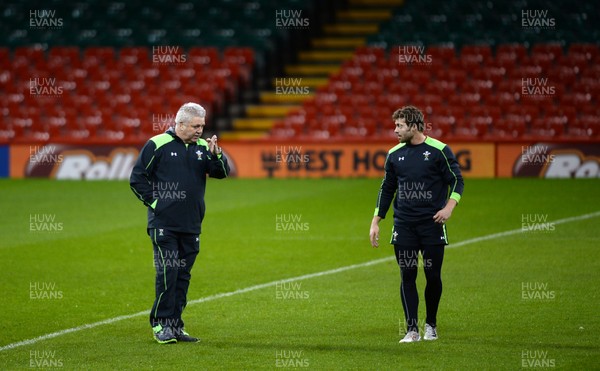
x: 411, y: 337
x: 430, y: 332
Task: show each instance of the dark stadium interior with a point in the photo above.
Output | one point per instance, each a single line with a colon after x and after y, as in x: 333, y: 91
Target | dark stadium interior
x: 333, y: 162
x: 113, y: 80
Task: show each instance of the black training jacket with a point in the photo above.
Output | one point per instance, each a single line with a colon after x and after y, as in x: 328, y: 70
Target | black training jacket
x: 169, y: 177
x: 420, y: 179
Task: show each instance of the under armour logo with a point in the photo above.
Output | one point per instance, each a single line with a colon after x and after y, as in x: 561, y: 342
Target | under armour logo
x: 174, y: 154
x: 401, y: 158
x: 197, y: 239
x: 161, y: 232
x: 442, y: 238
x: 395, y: 234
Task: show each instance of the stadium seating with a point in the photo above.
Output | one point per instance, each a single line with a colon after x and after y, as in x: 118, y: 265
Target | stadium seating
x: 108, y: 94
x: 482, y: 98
x: 102, y: 52
x: 485, y: 76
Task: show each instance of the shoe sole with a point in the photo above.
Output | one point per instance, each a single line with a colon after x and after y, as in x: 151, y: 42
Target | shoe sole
x: 170, y: 341
x: 430, y: 339
x: 189, y: 341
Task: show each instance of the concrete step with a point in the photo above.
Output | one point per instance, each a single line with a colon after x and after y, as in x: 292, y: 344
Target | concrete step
x: 253, y: 124
x: 237, y: 135
x: 351, y: 29
x: 364, y: 15
x: 375, y: 3
x: 282, y: 98
x: 325, y: 56
x: 311, y: 69
x: 311, y: 82
x: 269, y: 110
x: 338, y: 42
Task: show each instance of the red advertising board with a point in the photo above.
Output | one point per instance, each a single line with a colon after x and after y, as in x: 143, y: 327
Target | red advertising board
x: 549, y: 160
x: 247, y: 159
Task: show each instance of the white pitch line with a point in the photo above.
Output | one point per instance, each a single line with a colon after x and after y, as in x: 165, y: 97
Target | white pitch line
x: 520, y: 230
x: 273, y: 283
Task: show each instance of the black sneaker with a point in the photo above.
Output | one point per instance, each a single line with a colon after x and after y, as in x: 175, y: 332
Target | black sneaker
x: 184, y: 337
x: 164, y: 335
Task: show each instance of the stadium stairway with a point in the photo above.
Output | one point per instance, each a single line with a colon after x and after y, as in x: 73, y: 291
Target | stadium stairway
x: 324, y: 58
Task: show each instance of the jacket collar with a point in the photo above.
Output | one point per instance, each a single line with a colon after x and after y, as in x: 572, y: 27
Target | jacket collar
x: 171, y: 132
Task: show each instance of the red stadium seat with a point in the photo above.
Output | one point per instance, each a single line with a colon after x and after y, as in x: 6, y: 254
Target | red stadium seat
x: 587, y: 125
x: 553, y: 49
x: 439, y: 126
x: 511, y: 127
x: 466, y: 100
x: 493, y: 112
x: 420, y: 77
x: 565, y: 75
x: 483, y: 87
x: 404, y: 88
x: 4, y: 54
x: 576, y: 99
x: 469, y: 62
x: 551, y: 127
x: 503, y: 99
x: 134, y: 56
x: 442, y: 88
x: 370, y: 50
x: 239, y: 56
x: 493, y: 73
x: 427, y: 102
x: 511, y: 51
x: 544, y: 60
x: 484, y: 51
x: 590, y: 50
x: 526, y: 112
x: 458, y: 76
x: 444, y: 53
x: 580, y: 61
x: 64, y: 56
x: 33, y: 55
x: 104, y: 56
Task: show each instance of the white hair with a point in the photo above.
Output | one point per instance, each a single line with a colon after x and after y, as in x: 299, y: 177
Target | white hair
x: 188, y: 111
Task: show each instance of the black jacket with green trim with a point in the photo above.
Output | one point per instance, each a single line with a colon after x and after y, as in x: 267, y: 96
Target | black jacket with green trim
x: 421, y: 178
x: 169, y: 177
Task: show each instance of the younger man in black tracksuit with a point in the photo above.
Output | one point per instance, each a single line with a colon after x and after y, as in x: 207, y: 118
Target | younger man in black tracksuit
x: 169, y: 177
x: 424, y: 176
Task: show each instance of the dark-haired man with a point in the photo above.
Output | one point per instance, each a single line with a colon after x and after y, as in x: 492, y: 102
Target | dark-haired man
x: 424, y: 177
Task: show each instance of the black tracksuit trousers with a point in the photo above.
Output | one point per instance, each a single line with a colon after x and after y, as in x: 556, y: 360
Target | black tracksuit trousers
x: 174, y: 257
x: 408, y: 260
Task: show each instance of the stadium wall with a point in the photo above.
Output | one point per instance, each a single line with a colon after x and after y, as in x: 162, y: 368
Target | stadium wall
x: 267, y: 159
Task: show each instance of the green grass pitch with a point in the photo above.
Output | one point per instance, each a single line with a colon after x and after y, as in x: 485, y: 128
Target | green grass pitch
x: 518, y: 300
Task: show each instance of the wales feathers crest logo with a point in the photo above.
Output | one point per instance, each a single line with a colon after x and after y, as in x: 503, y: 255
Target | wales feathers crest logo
x: 426, y: 155
x: 199, y: 153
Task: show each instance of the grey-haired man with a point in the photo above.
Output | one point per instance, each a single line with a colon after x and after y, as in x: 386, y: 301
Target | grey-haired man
x: 169, y: 177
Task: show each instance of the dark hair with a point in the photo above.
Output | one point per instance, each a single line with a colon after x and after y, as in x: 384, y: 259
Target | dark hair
x: 411, y: 115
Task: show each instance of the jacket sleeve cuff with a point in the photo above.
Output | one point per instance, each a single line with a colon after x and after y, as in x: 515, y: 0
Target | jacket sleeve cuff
x: 217, y: 157
x: 377, y: 213
x: 455, y: 196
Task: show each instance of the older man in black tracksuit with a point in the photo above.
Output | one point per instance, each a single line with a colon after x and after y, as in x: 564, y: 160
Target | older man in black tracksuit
x: 169, y: 177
